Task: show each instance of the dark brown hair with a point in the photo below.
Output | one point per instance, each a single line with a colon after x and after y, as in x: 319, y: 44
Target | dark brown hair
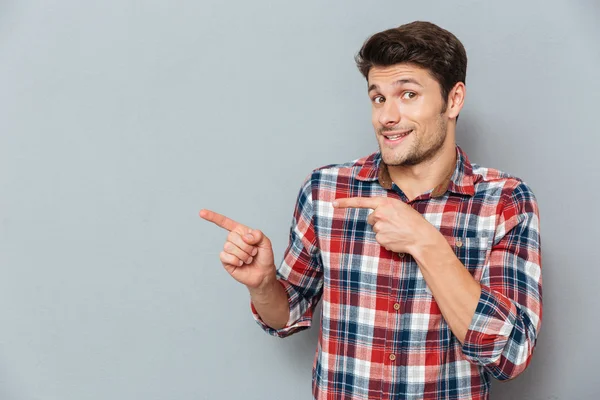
x: 421, y: 43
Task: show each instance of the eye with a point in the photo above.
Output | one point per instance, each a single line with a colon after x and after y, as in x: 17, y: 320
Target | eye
x: 408, y: 95
x: 378, y: 99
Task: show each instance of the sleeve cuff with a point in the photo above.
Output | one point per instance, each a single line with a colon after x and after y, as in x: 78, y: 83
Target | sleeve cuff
x: 300, y: 314
x: 490, y: 328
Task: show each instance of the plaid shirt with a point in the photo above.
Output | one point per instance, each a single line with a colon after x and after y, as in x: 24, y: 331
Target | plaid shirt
x: 382, y: 333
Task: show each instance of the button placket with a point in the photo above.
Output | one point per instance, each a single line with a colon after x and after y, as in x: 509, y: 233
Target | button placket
x: 394, y: 315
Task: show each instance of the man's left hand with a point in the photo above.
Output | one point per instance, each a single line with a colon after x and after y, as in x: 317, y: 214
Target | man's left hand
x: 397, y: 226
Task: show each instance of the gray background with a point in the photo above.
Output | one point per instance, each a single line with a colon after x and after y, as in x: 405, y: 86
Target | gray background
x: 121, y: 119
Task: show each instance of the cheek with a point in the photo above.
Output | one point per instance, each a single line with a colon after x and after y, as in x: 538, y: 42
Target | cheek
x: 417, y: 112
x: 422, y: 119
x: 428, y: 111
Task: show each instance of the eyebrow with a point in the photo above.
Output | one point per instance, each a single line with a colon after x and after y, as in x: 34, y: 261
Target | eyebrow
x: 397, y: 83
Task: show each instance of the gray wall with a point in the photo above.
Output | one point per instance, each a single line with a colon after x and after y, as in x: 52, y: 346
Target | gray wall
x: 120, y: 120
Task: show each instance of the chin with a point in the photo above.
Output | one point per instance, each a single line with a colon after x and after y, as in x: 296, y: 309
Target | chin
x: 393, y: 159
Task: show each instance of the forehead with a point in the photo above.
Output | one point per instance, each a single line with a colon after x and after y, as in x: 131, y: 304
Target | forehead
x: 399, y: 73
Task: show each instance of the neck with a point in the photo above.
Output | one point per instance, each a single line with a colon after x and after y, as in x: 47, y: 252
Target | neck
x: 415, y: 180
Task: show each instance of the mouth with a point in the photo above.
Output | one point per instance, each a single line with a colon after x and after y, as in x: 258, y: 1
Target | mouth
x: 396, y: 136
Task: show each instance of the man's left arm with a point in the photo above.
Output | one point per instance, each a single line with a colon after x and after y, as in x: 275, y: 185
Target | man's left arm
x: 498, y: 319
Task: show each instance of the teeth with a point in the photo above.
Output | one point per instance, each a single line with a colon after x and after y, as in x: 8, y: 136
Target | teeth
x: 396, y: 137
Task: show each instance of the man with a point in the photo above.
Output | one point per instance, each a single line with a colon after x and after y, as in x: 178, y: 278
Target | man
x: 428, y: 266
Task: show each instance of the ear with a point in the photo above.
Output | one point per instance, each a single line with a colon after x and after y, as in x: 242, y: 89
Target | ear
x: 456, y: 100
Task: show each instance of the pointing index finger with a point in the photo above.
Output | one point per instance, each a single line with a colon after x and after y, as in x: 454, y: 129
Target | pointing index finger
x: 220, y: 220
x: 359, y: 202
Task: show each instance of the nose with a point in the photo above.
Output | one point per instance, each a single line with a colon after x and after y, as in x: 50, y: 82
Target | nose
x: 390, y: 114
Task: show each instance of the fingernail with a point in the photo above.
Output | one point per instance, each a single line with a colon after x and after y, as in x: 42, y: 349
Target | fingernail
x: 249, y: 237
x: 254, y: 252
x: 249, y: 260
x: 241, y: 263
x: 335, y: 203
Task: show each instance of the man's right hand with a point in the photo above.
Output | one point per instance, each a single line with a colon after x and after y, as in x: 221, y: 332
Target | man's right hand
x: 247, y: 254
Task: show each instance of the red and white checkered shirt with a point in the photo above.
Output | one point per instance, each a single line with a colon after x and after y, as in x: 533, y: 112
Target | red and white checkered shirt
x: 382, y: 333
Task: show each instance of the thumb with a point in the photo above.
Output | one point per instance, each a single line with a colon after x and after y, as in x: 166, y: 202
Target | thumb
x: 254, y: 237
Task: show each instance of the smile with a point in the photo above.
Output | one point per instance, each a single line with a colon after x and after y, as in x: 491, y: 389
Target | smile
x: 396, y: 136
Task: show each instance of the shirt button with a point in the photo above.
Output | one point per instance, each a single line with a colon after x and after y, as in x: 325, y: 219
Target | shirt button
x: 401, y: 255
x: 392, y: 357
x: 459, y: 243
x: 396, y: 306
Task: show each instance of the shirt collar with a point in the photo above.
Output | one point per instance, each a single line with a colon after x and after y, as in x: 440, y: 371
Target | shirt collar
x: 459, y: 180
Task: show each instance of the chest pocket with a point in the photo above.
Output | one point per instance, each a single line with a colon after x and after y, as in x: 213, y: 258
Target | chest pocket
x: 473, y: 252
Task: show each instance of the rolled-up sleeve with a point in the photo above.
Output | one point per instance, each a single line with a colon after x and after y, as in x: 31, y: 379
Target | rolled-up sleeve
x: 505, y: 327
x: 301, y: 270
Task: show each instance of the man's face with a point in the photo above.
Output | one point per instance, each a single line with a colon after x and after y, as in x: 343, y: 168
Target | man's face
x: 408, y: 114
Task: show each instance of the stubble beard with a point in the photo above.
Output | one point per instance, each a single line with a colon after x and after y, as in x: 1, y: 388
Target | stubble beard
x: 420, y: 150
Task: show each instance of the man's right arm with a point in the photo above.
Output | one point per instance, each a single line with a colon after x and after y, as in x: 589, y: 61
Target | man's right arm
x: 282, y: 299
x: 248, y: 257
x: 270, y: 301
x: 300, y: 275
